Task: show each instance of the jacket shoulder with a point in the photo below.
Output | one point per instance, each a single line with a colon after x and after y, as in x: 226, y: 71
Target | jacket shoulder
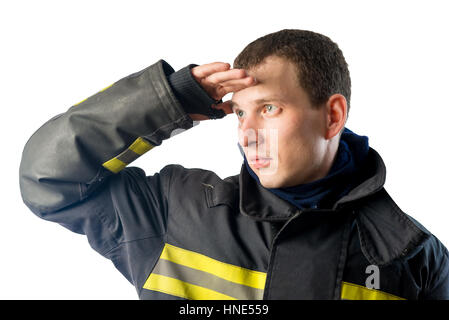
x: 437, y: 257
x: 199, y: 184
x: 188, y: 176
x: 387, y: 233
x: 433, y: 259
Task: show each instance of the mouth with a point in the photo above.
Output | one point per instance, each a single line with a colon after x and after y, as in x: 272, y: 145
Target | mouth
x: 259, y: 162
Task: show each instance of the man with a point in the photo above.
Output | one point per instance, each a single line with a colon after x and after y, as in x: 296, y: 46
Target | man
x: 306, y: 218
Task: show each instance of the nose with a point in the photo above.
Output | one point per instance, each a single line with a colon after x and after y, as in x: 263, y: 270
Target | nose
x: 249, y: 132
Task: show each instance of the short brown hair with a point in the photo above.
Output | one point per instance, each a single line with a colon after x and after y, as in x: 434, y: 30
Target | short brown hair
x: 321, y: 66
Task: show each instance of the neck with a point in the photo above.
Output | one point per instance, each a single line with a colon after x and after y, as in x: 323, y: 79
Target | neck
x: 326, y: 163
x: 339, y: 172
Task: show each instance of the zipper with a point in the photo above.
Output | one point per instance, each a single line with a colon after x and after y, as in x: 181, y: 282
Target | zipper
x: 273, y: 252
x: 342, y: 258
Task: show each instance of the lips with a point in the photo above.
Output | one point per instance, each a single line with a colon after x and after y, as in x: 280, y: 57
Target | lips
x: 259, y: 162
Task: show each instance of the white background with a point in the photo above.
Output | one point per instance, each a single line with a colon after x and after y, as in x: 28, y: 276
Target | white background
x: 56, y: 53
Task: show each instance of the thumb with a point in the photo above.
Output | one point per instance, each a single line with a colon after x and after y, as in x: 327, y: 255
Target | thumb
x: 225, y: 106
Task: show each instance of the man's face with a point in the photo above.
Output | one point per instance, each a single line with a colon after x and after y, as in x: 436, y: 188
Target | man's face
x: 281, y: 134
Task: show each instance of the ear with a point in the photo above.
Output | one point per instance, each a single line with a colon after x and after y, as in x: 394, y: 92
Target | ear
x: 336, y: 114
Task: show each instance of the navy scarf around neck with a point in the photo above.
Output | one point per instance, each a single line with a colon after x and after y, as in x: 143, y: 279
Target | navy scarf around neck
x: 343, y: 176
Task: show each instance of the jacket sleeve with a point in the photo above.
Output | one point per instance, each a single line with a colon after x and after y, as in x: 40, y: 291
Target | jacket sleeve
x: 437, y: 287
x: 73, y: 168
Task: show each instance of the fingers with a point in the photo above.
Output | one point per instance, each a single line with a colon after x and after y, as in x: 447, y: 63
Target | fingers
x: 206, y: 70
x: 244, y: 82
x: 217, y: 79
x: 233, y: 74
x: 218, y: 72
x: 236, y: 85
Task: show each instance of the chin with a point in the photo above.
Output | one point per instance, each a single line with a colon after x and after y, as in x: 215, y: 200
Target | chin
x: 270, y: 182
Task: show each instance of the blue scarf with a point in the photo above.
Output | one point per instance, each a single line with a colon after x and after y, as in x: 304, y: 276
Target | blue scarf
x: 344, y: 175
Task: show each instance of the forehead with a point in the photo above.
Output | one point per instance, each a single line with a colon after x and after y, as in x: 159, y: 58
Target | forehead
x: 274, y: 69
x: 277, y: 79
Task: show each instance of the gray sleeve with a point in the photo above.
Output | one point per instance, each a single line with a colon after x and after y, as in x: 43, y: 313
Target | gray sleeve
x: 72, y: 154
x: 74, y: 168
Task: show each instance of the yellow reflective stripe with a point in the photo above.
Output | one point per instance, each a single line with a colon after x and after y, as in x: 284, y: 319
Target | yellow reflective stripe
x: 107, y: 87
x: 97, y: 92
x: 194, y: 260
x: 136, y: 149
x: 182, y: 289
x: 140, y: 146
x: 206, y: 280
x: 350, y: 291
x: 80, y: 102
x: 114, y: 165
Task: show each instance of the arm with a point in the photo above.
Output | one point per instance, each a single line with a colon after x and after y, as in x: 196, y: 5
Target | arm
x: 70, y: 155
x: 437, y: 284
x: 73, y: 168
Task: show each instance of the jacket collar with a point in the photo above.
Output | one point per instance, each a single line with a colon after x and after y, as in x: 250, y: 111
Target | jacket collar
x: 375, y: 171
x: 385, y: 232
x: 373, y: 209
x: 258, y: 202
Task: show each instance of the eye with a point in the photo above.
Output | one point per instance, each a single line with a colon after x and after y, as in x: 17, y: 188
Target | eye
x: 271, y: 108
x: 239, y: 113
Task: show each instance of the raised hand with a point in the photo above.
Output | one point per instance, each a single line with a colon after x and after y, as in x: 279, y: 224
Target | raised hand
x: 217, y: 79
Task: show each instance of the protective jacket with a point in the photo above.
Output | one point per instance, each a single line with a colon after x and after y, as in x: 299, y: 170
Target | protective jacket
x: 188, y: 234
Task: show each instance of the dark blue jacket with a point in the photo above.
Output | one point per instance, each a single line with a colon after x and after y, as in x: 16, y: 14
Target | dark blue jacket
x: 188, y: 234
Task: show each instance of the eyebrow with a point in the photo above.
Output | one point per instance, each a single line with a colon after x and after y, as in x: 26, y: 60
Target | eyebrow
x: 259, y: 101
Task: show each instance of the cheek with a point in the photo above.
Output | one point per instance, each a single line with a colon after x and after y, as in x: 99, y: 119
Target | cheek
x: 297, y: 140
x: 297, y: 145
